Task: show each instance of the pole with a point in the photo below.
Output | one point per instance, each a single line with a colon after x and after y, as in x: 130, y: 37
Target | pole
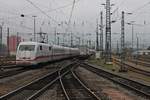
x: 90, y: 44
x: 82, y: 39
x: 108, y: 59
x: 97, y: 41
x: 47, y: 39
x: 17, y: 40
x: 34, y: 28
x: 101, y: 34
x: 137, y: 50
x: 8, y: 41
x: 117, y: 48
x: 71, y: 40
x: 1, y: 32
x: 55, y: 36
x: 132, y: 37
x: 63, y: 39
x: 58, y: 40
x: 79, y: 41
x: 123, y: 68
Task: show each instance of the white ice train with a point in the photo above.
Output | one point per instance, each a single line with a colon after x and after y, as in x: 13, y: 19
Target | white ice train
x: 32, y: 53
x: 84, y: 51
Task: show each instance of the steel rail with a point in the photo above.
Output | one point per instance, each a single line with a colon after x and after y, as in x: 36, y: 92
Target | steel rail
x: 143, y: 63
x: 42, y: 90
x: 85, y: 87
x: 139, y: 88
x: 62, y: 85
x: 13, y: 72
x: 15, y: 92
x: 9, y: 66
x: 39, y: 92
x: 134, y: 69
x: 41, y: 82
x: 77, y: 79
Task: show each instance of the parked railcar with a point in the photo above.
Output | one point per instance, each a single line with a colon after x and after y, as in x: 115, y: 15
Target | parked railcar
x: 32, y: 53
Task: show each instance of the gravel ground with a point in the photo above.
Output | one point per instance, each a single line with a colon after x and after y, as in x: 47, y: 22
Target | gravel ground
x: 147, y: 68
x: 53, y: 93
x: 137, y: 77
x: 9, y: 69
x: 105, y: 87
x: 131, y: 75
x: 10, y: 83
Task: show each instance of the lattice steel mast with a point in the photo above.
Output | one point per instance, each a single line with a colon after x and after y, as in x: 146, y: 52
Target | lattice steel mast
x: 101, y: 32
x: 123, y: 68
x: 108, y: 33
x: 97, y: 39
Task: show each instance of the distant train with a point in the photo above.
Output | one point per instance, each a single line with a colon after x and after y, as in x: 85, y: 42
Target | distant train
x: 33, y: 53
x: 84, y: 51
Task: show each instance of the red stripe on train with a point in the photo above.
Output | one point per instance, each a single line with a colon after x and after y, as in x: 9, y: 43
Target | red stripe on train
x: 41, y: 57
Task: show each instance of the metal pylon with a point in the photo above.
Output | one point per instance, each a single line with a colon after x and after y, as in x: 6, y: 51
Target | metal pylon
x: 101, y: 32
x: 123, y: 67
x: 108, y: 34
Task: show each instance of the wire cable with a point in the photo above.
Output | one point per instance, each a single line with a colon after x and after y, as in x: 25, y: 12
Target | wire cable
x: 141, y: 7
x: 71, y: 12
x: 41, y: 11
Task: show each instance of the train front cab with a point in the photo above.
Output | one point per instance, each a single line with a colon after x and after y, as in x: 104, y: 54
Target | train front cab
x: 26, y: 54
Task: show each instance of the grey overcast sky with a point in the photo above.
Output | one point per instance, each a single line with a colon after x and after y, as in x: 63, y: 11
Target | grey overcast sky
x: 85, y: 11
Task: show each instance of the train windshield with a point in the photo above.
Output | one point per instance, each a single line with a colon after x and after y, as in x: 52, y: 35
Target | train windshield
x: 26, y: 47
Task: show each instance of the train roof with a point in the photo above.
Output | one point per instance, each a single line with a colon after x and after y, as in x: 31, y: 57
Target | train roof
x: 32, y: 43
x: 54, y: 46
x: 58, y: 46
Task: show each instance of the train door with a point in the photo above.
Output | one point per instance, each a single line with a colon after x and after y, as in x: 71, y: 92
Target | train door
x: 50, y: 53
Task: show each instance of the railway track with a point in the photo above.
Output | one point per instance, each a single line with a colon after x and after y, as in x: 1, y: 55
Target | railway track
x: 33, y: 89
x: 60, y: 73
x: 12, y: 72
x: 139, y: 62
x: 9, y: 66
x: 74, y: 89
x: 142, y: 58
x: 74, y: 81
x: 9, y: 71
x: 139, y: 88
x: 134, y: 69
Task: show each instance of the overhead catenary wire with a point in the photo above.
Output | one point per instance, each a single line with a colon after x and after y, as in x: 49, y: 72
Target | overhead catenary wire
x: 61, y: 11
x: 42, y: 11
x: 55, y: 9
x: 133, y: 12
x: 61, y: 7
x: 141, y: 7
x: 13, y: 11
x: 117, y: 8
x: 69, y: 21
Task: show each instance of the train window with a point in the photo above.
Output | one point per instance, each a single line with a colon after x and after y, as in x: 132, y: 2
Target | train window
x: 26, y: 47
x: 40, y: 47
